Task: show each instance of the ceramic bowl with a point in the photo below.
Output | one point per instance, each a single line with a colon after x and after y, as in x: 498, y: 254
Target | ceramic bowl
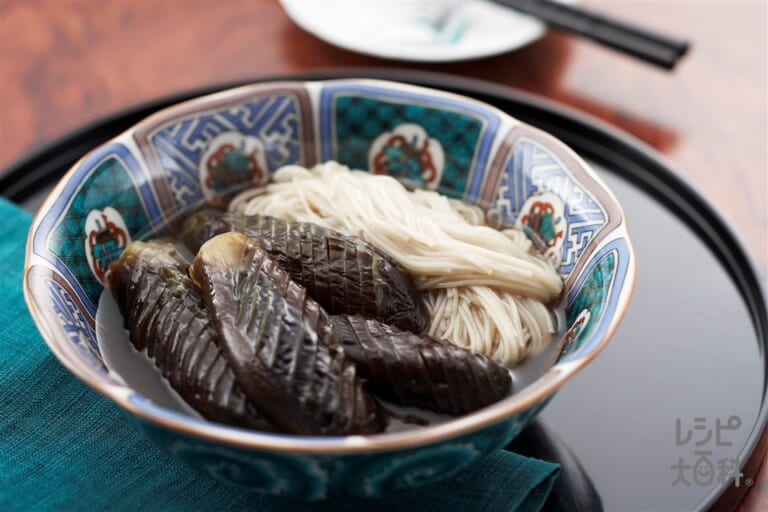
x: 136, y: 184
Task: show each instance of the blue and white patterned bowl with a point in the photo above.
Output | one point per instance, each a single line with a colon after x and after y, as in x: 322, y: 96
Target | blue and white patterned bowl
x: 136, y: 184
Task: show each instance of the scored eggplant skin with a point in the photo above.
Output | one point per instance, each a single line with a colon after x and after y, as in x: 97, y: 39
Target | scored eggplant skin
x: 343, y: 273
x: 164, y: 315
x: 418, y: 370
x: 279, y: 342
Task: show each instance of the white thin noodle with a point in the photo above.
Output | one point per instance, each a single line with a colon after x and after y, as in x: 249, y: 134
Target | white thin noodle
x: 486, y: 290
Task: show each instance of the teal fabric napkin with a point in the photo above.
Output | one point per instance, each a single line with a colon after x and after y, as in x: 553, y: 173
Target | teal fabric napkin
x: 65, y: 447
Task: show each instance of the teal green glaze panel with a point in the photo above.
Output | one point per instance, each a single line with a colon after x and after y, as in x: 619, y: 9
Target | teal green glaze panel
x: 108, y: 185
x: 317, y: 477
x: 359, y: 120
x: 585, y: 311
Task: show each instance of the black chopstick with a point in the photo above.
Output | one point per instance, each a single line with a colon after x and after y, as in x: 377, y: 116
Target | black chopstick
x: 658, y: 49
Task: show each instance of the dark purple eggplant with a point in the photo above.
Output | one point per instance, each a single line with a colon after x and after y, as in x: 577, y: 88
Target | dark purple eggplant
x: 343, y: 273
x: 279, y: 342
x: 164, y: 315
x: 418, y: 370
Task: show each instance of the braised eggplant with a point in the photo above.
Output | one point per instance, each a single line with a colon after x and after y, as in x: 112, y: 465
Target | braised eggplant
x: 164, y: 315
x: 418, y: 370
x: 279, y: 342
x: 342, y: 273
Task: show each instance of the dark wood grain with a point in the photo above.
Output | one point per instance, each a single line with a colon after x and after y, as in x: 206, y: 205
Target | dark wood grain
x: 65, y: 62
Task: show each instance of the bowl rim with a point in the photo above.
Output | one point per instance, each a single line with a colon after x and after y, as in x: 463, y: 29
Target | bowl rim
x: 533, y: 394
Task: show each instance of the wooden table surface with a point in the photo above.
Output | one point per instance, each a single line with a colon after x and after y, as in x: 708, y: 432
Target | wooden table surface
x: 65, y: 62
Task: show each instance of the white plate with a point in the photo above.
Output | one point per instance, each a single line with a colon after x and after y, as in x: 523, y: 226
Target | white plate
x: 416, y: 30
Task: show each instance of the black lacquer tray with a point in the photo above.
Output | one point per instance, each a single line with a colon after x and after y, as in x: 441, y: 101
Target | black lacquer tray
x: 674, y: 410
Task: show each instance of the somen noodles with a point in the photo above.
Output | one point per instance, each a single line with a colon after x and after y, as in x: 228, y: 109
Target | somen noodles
x: 486, y: 290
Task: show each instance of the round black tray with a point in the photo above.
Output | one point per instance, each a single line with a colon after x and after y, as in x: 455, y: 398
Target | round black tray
x: 646, y: 425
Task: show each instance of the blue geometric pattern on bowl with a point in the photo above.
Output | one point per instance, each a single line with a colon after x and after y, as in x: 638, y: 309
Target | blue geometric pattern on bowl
x: 138, y: 184
x: 77, y: 328
x: 261, y: 132
x: 532, y: 170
